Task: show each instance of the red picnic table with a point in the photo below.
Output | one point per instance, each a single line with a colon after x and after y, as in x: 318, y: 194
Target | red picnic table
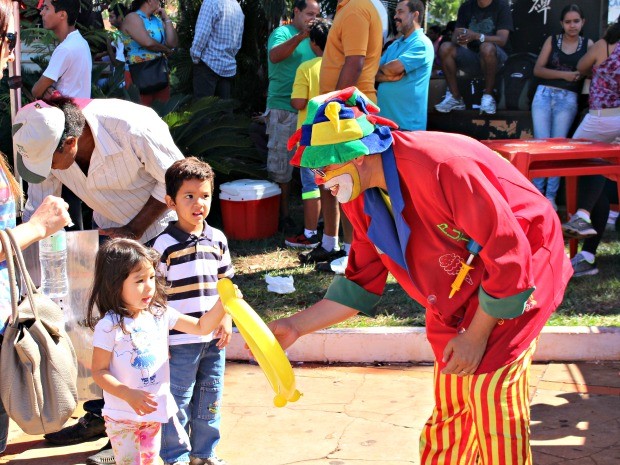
x: 542, y: 158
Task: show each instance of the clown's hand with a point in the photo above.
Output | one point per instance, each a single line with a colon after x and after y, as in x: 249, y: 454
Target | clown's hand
x: 463, y: 354
x: 285, y: 332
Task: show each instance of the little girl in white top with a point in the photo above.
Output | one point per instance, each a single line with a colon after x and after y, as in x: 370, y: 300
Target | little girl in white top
x: 127, y: 309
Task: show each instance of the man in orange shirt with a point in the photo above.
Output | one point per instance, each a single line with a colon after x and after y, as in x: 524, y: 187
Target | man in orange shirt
x: 353, y: 48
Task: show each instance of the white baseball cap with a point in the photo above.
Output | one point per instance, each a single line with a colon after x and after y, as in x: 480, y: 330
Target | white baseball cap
x: 37, y: 130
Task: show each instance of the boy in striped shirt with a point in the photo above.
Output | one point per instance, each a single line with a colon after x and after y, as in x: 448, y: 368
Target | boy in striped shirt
x: 193, y: 257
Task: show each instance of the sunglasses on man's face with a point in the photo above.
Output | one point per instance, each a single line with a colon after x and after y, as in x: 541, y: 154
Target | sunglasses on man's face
x: 11, y: 40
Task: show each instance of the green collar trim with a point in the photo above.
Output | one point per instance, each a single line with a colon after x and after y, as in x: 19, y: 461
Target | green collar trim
x: 352, y: 295
x: 507, y: 307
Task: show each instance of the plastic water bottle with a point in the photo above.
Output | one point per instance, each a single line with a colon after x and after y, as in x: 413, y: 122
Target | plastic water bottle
x: 53, y: 258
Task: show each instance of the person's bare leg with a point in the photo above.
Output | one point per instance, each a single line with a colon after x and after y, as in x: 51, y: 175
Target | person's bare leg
x: 488, y: 63
x: 312, y: 210
x: 284, y: 199
x: 447, y: 51
x: 331, y: 213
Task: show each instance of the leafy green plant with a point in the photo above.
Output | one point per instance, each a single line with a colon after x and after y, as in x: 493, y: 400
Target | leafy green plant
x: 442, y: 11
x: 209, y: 129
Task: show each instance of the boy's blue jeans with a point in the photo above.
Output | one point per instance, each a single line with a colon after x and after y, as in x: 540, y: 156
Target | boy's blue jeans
x: 196, y: 382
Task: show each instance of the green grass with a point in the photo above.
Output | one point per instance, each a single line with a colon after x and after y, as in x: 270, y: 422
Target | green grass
x: 589, y: 301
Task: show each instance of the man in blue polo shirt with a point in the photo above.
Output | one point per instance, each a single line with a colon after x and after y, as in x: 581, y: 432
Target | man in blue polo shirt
x: 405, y: 70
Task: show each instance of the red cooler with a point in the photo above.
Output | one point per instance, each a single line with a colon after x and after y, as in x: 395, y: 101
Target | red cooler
x: 250, y: 208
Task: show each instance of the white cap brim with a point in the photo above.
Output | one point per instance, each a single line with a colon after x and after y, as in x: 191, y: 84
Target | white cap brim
x: 37, y: 130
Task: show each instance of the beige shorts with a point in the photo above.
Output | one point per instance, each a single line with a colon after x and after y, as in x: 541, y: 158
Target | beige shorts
x: 281, y: 125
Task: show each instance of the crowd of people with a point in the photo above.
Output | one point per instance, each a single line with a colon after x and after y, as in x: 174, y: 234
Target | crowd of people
x: 408, y: 202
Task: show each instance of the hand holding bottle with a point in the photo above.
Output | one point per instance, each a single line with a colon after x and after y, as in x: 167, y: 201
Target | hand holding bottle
x: 51, y: 216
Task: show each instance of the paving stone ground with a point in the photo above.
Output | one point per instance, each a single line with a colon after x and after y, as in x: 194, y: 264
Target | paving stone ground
x: 352, y: 415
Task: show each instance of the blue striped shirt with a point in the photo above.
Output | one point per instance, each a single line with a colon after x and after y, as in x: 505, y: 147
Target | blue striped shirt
x: 217, y: 39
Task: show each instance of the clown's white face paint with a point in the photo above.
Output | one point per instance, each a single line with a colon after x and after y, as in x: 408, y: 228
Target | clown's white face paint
x: 344, y: 182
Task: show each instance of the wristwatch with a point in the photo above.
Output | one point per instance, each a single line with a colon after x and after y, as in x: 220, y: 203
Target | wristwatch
x: 481, y: 38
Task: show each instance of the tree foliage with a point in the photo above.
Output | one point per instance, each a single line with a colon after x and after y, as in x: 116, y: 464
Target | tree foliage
x: 442, y: 11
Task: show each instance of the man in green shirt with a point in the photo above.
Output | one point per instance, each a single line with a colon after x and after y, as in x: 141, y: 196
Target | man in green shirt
x: 288, y: 47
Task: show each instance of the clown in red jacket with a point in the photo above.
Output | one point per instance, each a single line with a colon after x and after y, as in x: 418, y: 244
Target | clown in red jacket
x: 465, y: 235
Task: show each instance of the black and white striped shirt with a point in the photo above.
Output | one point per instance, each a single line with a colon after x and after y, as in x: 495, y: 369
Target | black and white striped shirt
x: 192, y: 265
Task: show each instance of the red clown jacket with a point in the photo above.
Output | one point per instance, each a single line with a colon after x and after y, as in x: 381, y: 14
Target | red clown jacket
x: 446, y: 189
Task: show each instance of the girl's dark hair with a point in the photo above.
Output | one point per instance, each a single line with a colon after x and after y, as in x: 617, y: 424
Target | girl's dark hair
x: 572, y: 7
x: 612, y: 35
x: 74, y: 118
x: 115, y: 261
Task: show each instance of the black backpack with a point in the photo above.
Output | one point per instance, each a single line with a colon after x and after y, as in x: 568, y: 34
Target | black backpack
x: 517, y: 83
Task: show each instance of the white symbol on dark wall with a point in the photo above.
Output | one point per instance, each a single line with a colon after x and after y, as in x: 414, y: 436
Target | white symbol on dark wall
x: 541, y: 6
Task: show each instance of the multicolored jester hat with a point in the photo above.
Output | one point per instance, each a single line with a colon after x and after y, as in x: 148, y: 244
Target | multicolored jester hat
x: 340, y: 127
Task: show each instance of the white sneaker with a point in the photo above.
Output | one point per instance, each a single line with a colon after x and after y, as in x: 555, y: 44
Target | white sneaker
x: 339, y: 265
x: 487, y: 105
x: 450, y: 103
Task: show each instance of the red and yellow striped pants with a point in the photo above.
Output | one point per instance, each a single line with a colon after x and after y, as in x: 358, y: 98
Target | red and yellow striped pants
x: 480, y: 419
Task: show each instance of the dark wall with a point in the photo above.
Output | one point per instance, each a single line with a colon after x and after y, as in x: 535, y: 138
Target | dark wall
x: 531, y: 30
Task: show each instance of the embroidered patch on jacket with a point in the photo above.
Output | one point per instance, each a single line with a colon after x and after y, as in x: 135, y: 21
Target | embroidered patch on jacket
x: 452, y: 233
x: 451, y: 264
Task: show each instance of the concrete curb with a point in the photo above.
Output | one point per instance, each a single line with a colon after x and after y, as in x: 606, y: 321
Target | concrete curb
x: 409, y: 344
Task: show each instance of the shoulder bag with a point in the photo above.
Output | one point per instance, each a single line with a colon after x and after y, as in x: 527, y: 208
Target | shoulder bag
x: 38, y: 385
x: 150, y: 76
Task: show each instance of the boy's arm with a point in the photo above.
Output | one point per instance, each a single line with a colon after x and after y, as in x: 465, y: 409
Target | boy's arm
x: 301, y: 89
x: 299, y: 103
x: 223, y: 332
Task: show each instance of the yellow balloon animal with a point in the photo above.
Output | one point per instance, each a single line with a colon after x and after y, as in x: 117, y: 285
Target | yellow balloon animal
x: 262, y: 343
